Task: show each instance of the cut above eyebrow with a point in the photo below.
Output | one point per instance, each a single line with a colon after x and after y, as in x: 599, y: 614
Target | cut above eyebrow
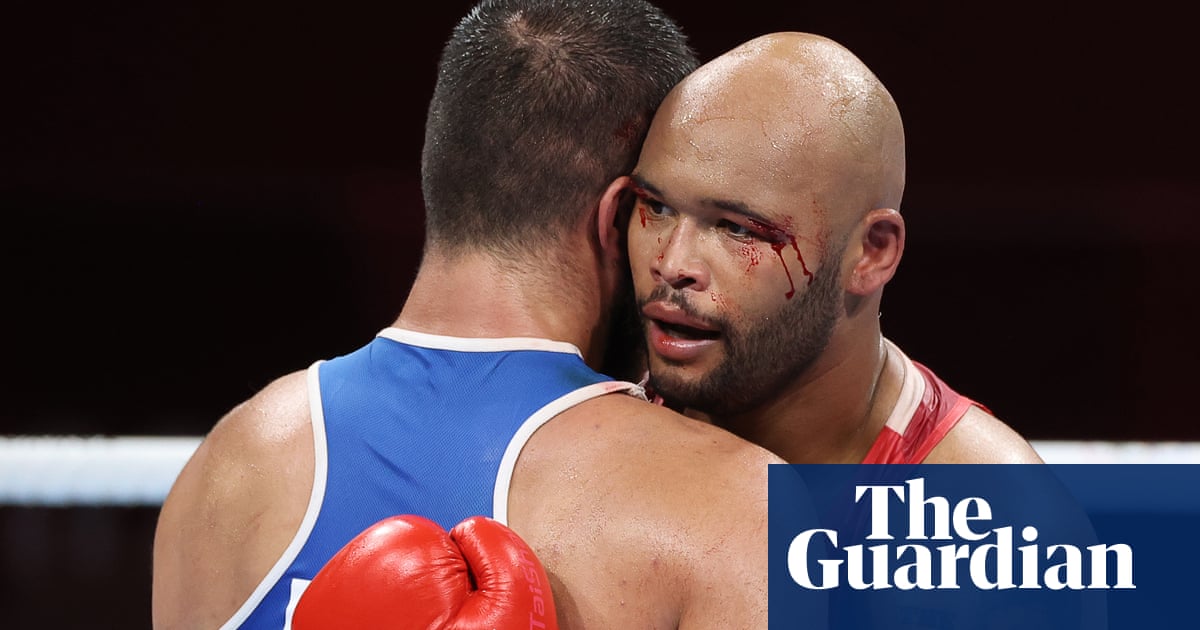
x: 641, y: 182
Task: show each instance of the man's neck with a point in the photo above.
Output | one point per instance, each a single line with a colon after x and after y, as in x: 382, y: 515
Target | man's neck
x: 474, y: 296
x: 835, y: 411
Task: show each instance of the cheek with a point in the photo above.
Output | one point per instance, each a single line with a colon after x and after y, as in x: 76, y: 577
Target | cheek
x: 750, y: 258
x: 722, y: 303
x: 642, y: 248
x: 730, y: 305
x: 740, y: 272
x: 756, y: 278
x: 750, y: 268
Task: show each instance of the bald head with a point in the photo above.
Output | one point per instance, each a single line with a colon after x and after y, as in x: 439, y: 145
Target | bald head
x: 767, y: 223
x: 800, y: 112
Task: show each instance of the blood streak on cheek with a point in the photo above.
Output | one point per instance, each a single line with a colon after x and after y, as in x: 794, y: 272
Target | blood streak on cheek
x: 779, y: 240
x: 752, y: 255
x: 642, y: 214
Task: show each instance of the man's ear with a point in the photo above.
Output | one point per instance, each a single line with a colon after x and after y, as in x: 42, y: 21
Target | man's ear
x: 881, y: 248
x: 616, y: 206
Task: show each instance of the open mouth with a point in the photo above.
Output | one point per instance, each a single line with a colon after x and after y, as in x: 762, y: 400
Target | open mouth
x: 687, y: 333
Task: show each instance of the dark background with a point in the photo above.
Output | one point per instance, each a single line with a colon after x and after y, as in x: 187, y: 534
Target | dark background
x: 200, y: 196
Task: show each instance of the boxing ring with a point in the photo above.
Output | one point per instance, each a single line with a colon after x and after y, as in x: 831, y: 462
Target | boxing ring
x: 75, y: 470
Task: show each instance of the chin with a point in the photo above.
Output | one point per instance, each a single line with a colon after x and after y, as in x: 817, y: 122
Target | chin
x: 675, y: 384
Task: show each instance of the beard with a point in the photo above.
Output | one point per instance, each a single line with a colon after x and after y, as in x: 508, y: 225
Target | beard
x: 760, y: 359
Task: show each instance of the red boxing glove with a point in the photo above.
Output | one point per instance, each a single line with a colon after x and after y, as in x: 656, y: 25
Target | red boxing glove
x: 406, y: 573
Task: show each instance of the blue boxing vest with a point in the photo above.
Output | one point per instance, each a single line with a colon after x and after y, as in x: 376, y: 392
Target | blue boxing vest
x: 422, y: 424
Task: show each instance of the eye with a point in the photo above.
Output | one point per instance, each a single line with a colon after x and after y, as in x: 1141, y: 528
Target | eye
x: 738, y: 230
x: 654, y: 208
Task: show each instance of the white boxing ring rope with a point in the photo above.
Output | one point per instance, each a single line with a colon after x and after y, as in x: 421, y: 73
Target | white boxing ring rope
x: 73, y: 470
x: 99, y: 471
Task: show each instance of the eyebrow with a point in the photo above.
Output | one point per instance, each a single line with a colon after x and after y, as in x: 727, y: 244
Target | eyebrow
x: 728, y: 205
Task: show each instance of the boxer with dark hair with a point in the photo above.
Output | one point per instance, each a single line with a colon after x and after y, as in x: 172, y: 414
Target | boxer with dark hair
x: 483, y: 398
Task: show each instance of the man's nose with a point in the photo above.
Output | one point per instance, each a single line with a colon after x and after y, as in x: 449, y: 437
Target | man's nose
x: 678, y: 263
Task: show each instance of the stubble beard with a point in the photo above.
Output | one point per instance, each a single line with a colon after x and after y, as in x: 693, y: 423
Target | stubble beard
x: 761, y: 359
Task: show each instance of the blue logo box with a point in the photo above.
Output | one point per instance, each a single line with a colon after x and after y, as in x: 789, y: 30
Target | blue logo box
x: 992, y: 547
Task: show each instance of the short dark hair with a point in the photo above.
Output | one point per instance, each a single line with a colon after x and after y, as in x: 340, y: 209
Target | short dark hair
x: 539, y: 104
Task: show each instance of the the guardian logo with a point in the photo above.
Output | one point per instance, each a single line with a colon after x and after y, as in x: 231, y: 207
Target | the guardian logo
x: 971, y: 552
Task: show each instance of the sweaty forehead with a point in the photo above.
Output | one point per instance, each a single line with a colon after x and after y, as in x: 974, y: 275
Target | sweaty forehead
x: 798, y: 91
x: 728, y: 129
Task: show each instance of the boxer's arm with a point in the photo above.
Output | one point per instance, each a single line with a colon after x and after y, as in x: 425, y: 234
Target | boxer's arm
x: 233, y: 509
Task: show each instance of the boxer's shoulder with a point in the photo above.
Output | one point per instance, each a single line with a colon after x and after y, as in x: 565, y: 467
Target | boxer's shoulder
x: 235, y: 505
x: 617, y: 431
x: 260, y: 446
x: 982, y: 438
x: 628, y: 501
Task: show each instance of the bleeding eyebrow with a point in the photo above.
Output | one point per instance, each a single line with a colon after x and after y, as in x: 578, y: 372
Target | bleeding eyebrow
x: 738, y: 207
x: 763, y: 222
x: 641, y: 187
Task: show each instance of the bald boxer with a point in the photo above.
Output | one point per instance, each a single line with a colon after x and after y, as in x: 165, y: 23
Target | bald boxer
x: 483, y: 397
x: 767, y: 227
